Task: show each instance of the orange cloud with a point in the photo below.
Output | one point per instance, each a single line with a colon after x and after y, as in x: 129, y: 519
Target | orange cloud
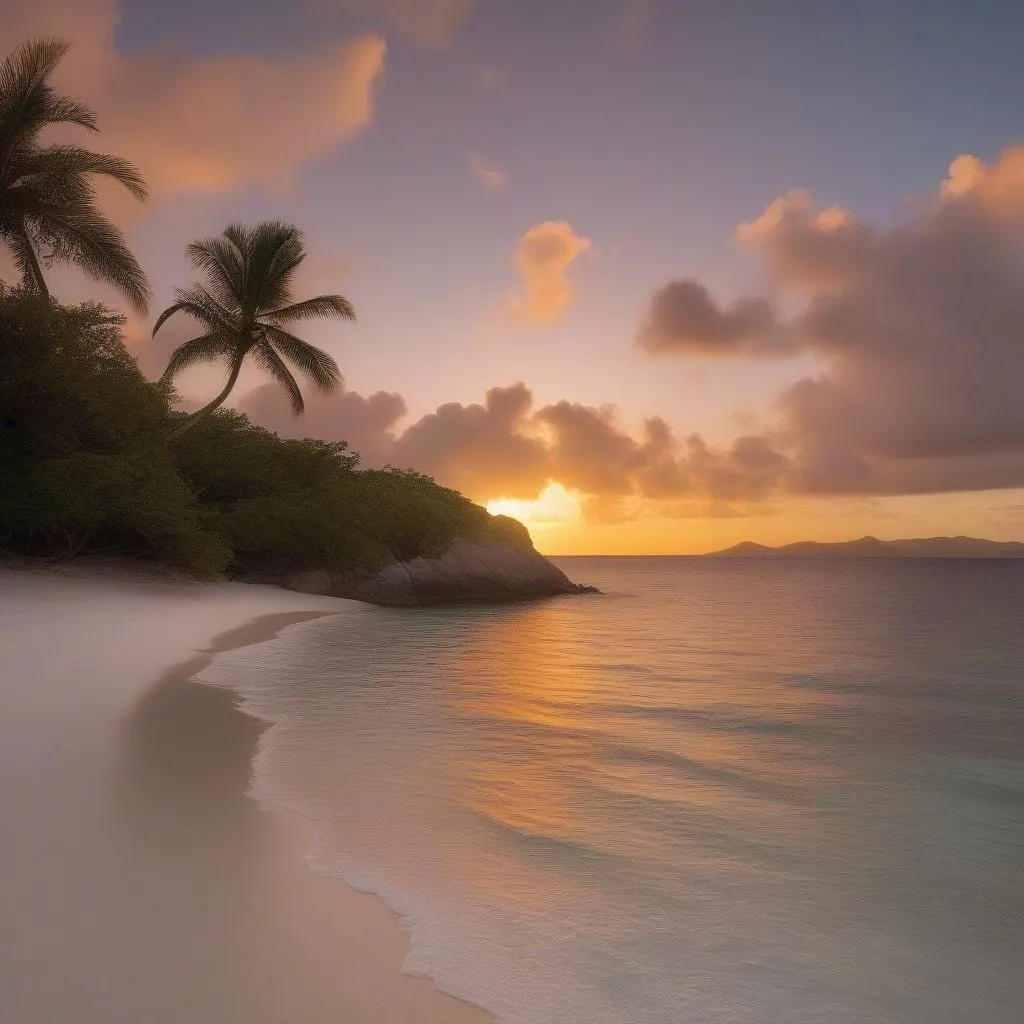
x: 543, y: 257
x: 490, y: 175
x: 999, y: 187
x: 504, y: 448
x: 806, y: 248
x: 207, y: 123
x: 227, y: 120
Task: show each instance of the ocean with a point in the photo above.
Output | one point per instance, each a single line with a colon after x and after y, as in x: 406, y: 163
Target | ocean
x: 724, y: 791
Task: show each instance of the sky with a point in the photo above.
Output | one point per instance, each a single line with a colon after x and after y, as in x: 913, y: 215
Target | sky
x: 655, y: 276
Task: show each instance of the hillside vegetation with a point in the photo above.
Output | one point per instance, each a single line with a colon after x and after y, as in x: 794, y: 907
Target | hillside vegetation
x: 86, y: 466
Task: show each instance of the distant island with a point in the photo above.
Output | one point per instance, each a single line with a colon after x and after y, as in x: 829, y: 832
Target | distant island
x: 872, y: 547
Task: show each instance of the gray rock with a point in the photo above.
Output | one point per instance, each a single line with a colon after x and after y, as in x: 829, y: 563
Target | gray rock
x: 317, y: 581
x: 470, y: 570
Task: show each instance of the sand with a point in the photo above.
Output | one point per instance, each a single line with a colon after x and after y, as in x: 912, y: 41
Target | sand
x: 138, y: 882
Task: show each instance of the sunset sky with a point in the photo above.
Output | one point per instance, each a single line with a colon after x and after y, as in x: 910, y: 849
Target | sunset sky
x: 653, y: 275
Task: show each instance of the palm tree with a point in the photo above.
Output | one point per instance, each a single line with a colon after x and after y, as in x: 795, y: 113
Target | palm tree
x: 244, y: 308
x: 47, y: 198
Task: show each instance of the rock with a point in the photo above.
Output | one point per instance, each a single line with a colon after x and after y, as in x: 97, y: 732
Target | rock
x: 317, y: 581
x: 469, y: 570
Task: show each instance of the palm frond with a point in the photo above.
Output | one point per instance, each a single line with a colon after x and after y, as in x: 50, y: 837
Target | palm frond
x: 177, y: 307
x: 323, y: 306
x: 193, y: 302
x: 222, y: 262
x: 85, y: 237
x: 270, y: 362
x: 205, y: 348
x: 28, y: 103
x: 30, y: 64
x: 275, y: 251
x: 203, y: 306
x: 56, y: 166
x: 313, y: 363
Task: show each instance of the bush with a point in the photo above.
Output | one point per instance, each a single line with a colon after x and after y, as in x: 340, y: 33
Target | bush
x: 82, y: 463
x: 85, y: 466
x: 303, y: 504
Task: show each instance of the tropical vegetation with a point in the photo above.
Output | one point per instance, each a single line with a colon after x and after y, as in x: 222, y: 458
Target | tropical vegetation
x: 85, y: 467
x: 245, y: 307
x: 94, y: 457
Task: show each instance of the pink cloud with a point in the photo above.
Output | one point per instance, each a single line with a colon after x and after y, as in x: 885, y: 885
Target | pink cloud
x: 918, y: 328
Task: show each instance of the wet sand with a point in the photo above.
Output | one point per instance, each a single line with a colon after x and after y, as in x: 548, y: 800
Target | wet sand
x: 137, y: 880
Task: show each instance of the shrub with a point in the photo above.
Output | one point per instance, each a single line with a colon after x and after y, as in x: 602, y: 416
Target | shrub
x: 85, y: 466
x: 82, y: 463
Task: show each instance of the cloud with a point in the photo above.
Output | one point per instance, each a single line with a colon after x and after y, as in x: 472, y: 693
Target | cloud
x: 684, y: 319
x: 366, y: 423
x: 486, y: 451
x: 919, y: 331
x: 593, y: 454
x: 808, y: 249
x: 490, y: 175
x: 429, y: 22
x: 542, y: 258
x: 505, y: 448
x: 207, y: 123
x: 225, y: 121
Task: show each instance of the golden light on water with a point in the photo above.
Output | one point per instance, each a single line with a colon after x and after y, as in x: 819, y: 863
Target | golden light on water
x: 554, y: 506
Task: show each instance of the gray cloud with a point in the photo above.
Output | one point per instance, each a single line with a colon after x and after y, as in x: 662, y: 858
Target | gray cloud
x: 684, y: 319
x: 919, y: 329
x: 366, y: 423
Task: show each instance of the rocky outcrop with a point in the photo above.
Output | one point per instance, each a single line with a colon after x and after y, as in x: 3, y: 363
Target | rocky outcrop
x: 470, y: 570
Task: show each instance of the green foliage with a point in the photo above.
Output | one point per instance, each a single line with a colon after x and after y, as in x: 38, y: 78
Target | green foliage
x: 228, y: 459
x: 79, y: 467
x: 84, y: 466
x: 67, y: 382
x: 287, y: 504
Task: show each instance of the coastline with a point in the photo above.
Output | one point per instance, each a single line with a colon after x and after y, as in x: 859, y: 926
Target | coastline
x: 200, y: 897
x: 373, y: 944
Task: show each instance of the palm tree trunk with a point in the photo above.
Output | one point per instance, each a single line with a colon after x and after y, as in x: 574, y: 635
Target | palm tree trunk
x: 35, y: 273
x: 197, y: 417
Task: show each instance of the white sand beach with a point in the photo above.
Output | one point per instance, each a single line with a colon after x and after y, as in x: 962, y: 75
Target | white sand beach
x: 138, y: 882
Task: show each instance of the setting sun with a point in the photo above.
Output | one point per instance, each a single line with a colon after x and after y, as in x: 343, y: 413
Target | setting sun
x: 554, y: 506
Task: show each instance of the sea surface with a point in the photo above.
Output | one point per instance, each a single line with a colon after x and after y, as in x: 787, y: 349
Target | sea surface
x: 723, y: 792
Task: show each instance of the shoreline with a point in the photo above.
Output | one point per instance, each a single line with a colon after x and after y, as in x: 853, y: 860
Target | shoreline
x: 261, y: 630
x: 140, y: 871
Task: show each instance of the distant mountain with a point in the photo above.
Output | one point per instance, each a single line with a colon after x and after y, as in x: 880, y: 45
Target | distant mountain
x: 872, y: 547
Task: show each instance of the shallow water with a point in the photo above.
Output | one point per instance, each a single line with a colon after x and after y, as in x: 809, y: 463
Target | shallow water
x: 724, y: 791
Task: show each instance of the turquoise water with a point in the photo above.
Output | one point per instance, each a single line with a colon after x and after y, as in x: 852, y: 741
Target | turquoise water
x: 732, y: 791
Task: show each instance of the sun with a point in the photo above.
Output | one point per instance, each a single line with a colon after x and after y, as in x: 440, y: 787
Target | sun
x: 554, y: 506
